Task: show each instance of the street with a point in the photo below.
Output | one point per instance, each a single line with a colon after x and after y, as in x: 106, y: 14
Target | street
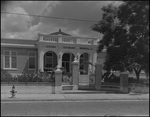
x: 78, y: 108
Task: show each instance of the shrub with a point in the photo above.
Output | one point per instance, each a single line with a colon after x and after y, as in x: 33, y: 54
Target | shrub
x: 132, y: 80
x: 20, y: 78
x: 139, y: 89
x: 108, y: 77
x: 5, y: 76
x: 46, y: 77
x: 30, y: 77
x: 27, y: 77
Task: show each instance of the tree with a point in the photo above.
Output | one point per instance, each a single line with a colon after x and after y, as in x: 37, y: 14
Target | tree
x: 125, y: 32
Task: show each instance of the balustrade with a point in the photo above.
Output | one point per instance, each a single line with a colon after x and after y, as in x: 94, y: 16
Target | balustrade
x: 50, y: 39
x: 67, y: 39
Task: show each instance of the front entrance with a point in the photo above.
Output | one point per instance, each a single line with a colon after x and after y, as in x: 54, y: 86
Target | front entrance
x: 67, y: 59
x: 84, y: 77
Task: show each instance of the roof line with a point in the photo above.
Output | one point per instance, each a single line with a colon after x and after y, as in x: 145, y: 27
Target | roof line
x: 68, y: 36
x: 9, y: 44
x: 20, y: 39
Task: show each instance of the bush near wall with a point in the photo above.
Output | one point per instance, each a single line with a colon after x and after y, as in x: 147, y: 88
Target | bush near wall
x: 141, y: 86
x: 107, y: 77
x: 5, y: 76
x: 26, y: 77
x: 116, y: 79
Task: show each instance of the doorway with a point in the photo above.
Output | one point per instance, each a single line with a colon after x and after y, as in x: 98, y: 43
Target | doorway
x: 67, y: 59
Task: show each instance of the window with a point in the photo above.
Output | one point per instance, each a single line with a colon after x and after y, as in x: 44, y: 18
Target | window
x: 32, y: 60
x: 48, y: 60
x: 10, y: 59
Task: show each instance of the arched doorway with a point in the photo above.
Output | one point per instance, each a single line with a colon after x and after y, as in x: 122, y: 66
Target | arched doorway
x: 67, y: 59
x: 84, y: 65
x: 84, y: 69
x: 50, y: 61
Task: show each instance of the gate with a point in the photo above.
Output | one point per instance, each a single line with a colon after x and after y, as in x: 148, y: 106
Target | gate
x: 84, y: 79
x: 88, y: 80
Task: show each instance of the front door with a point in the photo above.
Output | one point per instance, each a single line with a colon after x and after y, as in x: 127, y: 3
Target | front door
x: 83, y: 67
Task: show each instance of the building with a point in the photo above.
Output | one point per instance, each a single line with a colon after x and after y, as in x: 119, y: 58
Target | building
x: 48, y: 52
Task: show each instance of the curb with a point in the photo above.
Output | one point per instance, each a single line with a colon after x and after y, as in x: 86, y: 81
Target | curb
x: 143, y: 99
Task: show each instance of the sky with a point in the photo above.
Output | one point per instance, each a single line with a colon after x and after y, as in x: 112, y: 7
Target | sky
x: 28, y: 27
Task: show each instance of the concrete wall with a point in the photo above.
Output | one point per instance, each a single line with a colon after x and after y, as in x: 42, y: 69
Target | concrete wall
x: 28, y: 89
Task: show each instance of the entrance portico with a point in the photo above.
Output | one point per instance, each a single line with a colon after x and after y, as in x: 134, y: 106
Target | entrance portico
x: 51, y: 58
x: 61, y: 50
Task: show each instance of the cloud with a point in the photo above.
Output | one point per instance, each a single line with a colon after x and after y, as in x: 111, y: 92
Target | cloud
x: 16, y: 23
x: 17, y: 26
x: 75, y: 10
x: 117, y: 3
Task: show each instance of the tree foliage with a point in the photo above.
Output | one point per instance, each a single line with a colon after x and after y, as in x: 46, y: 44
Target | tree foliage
x: 125, y: 32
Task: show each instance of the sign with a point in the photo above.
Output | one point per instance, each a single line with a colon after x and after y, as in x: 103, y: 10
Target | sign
x: 67, y: 47
x: 48, y: 46
x: 83, y: 48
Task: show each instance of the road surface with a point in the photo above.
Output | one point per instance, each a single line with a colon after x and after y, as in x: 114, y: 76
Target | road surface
x: 68, y: 108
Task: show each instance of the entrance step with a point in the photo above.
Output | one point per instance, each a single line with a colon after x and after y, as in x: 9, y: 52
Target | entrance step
x: 106, y: 88
x: 87, y: 92
x: 67, y: 87
x: 86, y: 88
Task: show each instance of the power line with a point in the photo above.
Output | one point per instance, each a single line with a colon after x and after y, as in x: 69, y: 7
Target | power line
x: 49, y: 17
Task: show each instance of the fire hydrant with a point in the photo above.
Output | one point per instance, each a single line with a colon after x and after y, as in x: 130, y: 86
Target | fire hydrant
x: 13, y: 92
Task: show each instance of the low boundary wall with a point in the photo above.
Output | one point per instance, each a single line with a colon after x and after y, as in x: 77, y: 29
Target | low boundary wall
x: 29, y: 88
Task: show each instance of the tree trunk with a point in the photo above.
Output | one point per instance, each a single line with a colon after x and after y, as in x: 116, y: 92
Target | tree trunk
x: 137, y: 76
x: 147, y: 75
x: 137, y: 72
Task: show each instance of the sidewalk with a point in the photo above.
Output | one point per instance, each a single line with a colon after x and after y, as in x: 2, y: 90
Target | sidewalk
x: 73, y: 97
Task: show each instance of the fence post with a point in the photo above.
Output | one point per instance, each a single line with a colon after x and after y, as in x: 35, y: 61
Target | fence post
x: 75, y: 74
x: 98, y: 75
x: 124, y: 82
x: 58, y: 80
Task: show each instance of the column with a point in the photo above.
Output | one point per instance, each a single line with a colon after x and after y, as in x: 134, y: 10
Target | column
x: 102, y: 62
x: 90, y: 66
x: 124, y: 82
x: 94, y: 60
x: 58, y: 80
x: 60, y: 59
x: 40, y: 60
x: 78, y: 57
x: 75, y: 74
x: 98, y: 75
